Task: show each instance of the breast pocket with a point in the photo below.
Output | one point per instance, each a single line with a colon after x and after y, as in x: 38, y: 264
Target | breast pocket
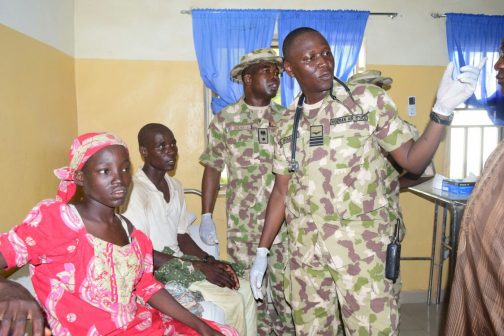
x: 241, y: 146
x: 356, y: 177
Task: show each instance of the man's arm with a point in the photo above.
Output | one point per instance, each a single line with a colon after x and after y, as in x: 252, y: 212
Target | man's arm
x: 415, y: 156
x: 189, y: 247
x: 160, y: 258
x: 275, y: 212
x: 209, y: 189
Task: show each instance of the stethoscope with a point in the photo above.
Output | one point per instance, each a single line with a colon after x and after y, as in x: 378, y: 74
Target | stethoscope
x: 294, y: 164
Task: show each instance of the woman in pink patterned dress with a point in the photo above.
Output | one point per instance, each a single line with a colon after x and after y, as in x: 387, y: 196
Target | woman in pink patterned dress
x: 91, y: 269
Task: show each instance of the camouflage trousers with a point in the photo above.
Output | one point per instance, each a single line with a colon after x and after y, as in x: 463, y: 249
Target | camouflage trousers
x: 274, y: 316
x: 327, y: 299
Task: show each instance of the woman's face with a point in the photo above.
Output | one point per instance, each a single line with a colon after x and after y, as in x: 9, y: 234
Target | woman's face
x: 106, y: 176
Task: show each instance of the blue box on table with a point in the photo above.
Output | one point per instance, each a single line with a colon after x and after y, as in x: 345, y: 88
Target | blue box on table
x: 458, y: 186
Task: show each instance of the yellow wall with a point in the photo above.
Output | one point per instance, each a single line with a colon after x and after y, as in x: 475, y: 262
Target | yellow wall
x: 38, y: 120
x: 121, y: 96
x: 421, y: 82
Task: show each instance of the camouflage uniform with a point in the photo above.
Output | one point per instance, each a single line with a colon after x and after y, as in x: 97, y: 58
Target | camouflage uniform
x: 339, y: 217
x: 241, y: 138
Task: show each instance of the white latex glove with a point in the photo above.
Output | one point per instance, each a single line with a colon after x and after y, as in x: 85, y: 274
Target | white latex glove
x: 257, y: 272
x: 453, y: 92
x: 207, y: 230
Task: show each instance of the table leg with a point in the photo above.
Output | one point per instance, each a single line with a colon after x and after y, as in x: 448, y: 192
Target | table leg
x: 441, y: 256
x: 433, y: 252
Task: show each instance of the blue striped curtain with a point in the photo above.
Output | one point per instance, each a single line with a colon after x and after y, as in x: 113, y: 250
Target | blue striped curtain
x: 469, y: 38
x: 343, y: 30
x: 221, y: 37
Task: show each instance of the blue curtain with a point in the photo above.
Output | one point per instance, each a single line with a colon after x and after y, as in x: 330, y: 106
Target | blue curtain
x: 221, y: 37
x: 343, y: 30
x: 470, y: 38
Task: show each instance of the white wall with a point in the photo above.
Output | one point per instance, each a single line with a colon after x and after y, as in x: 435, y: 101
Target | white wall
x: 49, y: 21
x: 156, y: 30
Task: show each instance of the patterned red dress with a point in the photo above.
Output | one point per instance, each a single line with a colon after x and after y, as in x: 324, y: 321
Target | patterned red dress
x: 88, y: 286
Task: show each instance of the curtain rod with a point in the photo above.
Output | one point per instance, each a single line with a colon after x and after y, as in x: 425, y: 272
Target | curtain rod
x: 438, y: 15
x: 389, y: 14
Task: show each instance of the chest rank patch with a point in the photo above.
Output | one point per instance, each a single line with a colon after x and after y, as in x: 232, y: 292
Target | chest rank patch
x: 316, y: 135
x: 349, y: 118
x: 262, y: 135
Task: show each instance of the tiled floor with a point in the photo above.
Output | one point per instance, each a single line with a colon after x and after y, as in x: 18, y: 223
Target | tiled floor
x: 419, y: 319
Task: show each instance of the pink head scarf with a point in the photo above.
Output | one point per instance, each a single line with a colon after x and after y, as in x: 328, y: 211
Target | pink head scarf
x: 83, y: 147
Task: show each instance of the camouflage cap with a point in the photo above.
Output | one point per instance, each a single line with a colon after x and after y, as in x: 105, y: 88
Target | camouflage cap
x: 370, y: 77
x: 254, y: 57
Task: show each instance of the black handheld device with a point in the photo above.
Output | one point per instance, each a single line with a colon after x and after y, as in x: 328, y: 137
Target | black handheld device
x: 393, y: 255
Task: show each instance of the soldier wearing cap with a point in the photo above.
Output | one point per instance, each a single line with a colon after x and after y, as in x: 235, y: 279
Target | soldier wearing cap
x: 240, y: 138
x: 330, y: 185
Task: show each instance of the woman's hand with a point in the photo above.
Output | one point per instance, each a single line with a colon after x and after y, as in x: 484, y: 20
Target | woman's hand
x: 18, y: 308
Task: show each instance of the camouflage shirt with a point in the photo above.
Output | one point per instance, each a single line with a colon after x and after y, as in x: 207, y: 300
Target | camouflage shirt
x: 241, y: 138
x: 342, y: 172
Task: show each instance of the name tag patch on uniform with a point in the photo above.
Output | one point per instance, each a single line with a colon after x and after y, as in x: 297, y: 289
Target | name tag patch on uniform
x: 262, y: 135
x: 238, y: 127
x: 349, y: 118
x: 316, y: 135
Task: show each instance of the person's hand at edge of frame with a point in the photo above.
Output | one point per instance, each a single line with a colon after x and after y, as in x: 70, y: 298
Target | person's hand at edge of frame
x: 18, y: 309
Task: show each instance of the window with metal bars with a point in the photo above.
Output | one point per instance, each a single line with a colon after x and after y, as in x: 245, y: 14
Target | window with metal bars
x: 471, y: 138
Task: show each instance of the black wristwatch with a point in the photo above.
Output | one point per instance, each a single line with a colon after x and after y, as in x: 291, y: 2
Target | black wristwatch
x: 437, y: 119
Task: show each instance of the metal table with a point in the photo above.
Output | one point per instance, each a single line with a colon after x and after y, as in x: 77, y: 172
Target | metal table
x: 455, y: 203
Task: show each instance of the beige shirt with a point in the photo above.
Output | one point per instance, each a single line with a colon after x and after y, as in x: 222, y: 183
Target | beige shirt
x: 149, y: 212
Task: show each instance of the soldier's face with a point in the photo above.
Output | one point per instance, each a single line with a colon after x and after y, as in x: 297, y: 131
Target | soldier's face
x: 160, y: 151
x: 263, y: 79
x: 499, y: 67
x: 311, y: 62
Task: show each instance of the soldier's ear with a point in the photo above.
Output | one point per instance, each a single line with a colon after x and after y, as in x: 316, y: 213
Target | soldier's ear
x: 288, y: 68
x: 247, y: 79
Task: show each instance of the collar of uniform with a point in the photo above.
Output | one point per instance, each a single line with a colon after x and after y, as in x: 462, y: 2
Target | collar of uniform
x: 257, y: 112
x: 338, y: 91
